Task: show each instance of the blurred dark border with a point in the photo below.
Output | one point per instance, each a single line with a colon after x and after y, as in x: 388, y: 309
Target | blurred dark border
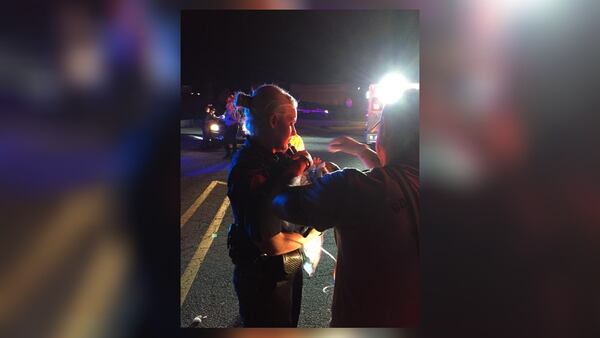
x: 89, y: 161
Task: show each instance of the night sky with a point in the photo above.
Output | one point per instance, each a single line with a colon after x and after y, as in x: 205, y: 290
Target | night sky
x: 237, y: 48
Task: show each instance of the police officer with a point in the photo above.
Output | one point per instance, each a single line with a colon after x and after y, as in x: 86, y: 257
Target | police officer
x: 232, y: 126
x: 267, y: 274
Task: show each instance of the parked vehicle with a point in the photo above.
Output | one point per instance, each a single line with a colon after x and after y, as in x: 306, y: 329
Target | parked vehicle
x: 213, y: 128
x: 374, y: 111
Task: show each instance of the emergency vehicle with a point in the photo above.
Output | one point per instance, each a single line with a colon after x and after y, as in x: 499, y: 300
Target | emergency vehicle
x: 387, y: 91
x: 374, y: 110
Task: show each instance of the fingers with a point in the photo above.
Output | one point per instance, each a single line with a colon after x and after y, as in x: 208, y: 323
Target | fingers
x: 317, y: 161
x: 343, y: 140
x: 336, y: 144
x: 343, y: 143
x: 305, y: 156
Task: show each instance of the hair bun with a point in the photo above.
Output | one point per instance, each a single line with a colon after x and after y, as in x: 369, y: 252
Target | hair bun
x: 243, y: 100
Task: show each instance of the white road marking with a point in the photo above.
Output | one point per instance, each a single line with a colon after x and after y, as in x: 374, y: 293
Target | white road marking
x: 194, y: 265
x: 192, y: 209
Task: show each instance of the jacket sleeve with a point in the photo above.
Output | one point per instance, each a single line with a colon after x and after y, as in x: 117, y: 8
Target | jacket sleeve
x: 321, y: 204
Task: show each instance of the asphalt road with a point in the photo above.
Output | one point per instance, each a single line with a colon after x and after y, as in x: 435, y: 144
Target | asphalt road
x: 206, y: 270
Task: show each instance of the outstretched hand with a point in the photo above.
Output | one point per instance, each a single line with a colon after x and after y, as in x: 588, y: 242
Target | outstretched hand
x: 351, y: 146
x: 346, y: 144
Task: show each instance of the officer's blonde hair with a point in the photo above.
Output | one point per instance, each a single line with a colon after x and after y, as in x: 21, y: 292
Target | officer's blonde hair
x: 265, y: 101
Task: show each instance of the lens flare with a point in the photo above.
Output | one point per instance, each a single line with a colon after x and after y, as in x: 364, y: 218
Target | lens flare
x: 392, y: 86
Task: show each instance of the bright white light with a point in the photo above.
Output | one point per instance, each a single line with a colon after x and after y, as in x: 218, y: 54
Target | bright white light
x: 214, y: 127
x: 389, y: 89
x: 197, y: 137
x: 392, y: 86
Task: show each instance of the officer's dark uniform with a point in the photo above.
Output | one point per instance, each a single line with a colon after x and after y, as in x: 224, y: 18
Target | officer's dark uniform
x: 268, y: 296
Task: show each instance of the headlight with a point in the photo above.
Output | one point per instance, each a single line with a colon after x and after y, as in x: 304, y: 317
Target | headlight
x: 392, y: 86
x: 214, y: 127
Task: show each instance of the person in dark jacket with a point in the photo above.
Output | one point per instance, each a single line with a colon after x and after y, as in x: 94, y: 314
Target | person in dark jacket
x: 375, y: 214
x: 267, y: 273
